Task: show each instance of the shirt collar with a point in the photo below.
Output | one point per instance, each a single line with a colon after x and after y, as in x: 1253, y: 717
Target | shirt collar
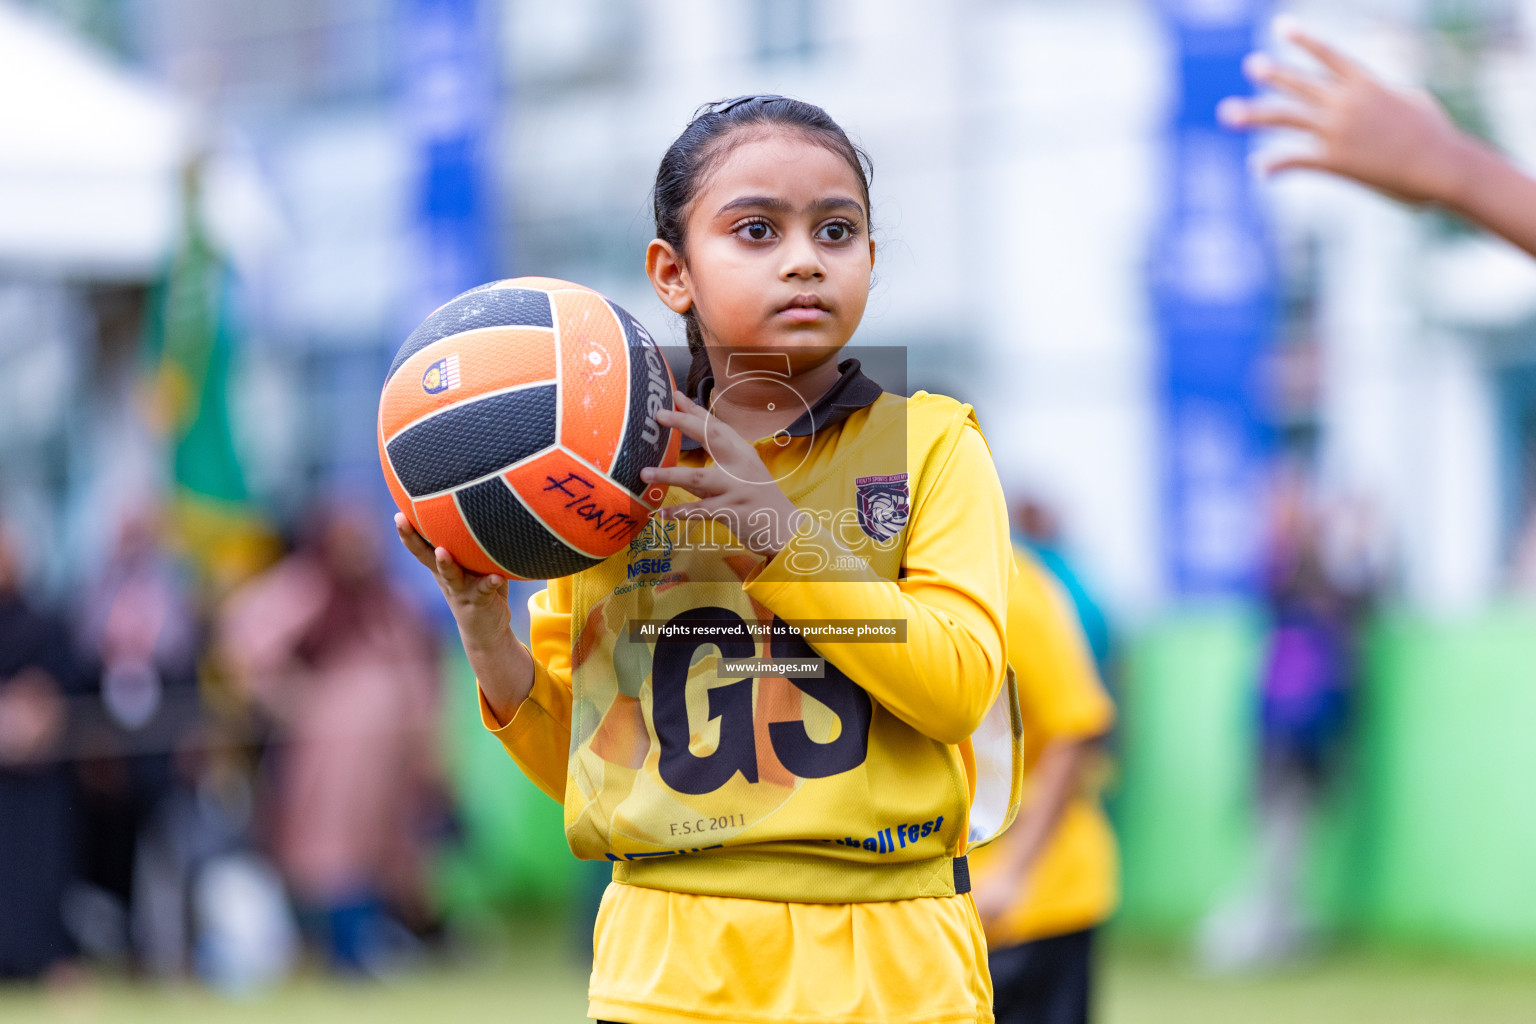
x: 851, y: 392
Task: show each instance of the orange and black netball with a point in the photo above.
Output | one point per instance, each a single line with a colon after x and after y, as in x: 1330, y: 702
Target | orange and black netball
x: 514, y: 424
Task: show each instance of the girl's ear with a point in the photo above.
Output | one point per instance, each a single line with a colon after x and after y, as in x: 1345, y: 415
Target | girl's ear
x: 668, y: 276
x: 871, y: 254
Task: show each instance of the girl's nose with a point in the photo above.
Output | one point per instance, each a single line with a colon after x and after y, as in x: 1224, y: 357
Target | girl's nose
x: 802, y: 260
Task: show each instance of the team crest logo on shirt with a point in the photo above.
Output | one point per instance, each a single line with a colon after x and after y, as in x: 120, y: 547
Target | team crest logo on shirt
x: 441, y: 376
x: 882, y: 504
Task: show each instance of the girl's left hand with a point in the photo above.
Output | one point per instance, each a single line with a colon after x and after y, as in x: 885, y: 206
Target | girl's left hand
x: 737, y: 489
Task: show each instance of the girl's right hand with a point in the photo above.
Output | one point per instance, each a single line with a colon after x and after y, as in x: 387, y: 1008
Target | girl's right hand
x: 503, y: 667
x: 478, y: 603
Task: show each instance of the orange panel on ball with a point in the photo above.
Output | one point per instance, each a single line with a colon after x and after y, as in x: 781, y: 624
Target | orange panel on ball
x: 594, y: 376
x: 584, y: 508
x: 444, y: 527
x: 462, y: 366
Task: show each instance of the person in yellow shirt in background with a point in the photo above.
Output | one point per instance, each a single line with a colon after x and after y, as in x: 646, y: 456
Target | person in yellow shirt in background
x: 1044, y: 887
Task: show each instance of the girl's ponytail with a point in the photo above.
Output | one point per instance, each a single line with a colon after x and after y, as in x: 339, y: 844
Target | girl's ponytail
x: 701, y: 146
x: 698, y: 368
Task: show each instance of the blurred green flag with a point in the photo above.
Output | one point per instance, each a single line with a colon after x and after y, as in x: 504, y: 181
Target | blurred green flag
x: 190, y: 348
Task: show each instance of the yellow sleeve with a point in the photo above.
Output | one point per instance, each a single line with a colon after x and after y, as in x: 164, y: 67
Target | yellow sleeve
x: 539, y: 735
x: 953, y: 596
x: 1059, y: 689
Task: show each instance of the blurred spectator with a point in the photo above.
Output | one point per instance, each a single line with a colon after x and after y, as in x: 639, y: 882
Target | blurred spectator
x: 1322, y: 577
x: 140, y: 636
x: 208, y: 900
x: 1040, y: 530
x: 37, y: 834
x: 347, y: 671
x: 1323, y: 573
x: 167, y: 795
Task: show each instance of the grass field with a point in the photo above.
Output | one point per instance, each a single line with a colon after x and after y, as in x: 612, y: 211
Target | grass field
x: 534, y: 980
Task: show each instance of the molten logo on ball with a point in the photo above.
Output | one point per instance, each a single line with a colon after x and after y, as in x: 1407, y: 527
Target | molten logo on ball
x: 656, y: 396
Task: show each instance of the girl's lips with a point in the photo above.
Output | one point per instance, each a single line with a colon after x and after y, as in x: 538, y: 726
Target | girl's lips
x: 804, y: 308
x: 803, y: 314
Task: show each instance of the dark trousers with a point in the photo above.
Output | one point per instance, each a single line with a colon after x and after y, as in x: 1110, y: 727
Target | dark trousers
x: 1046, y: 981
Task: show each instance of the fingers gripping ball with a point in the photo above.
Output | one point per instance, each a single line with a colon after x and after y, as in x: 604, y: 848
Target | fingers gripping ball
x: 515, y: 422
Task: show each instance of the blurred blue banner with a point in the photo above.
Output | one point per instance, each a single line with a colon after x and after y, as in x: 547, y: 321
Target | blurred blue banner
x: 448, y: 96
x: 1213, y: 282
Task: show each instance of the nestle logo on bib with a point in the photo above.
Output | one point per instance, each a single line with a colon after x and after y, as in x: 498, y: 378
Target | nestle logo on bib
x: 649, y: 565
x: 882, y: 504
x: 654, y: 543
x: 654, y: 536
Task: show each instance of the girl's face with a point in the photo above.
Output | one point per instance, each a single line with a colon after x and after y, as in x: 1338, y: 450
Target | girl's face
x: 778, y: 253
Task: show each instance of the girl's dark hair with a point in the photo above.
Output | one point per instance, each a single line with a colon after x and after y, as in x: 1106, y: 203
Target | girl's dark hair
x: 700, y: 148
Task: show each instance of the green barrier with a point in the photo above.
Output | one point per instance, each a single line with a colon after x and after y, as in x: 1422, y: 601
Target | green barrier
x: 1451, y: 751
x: 513, y: 852
x: 1182, y: 806
x: 1429, y: 837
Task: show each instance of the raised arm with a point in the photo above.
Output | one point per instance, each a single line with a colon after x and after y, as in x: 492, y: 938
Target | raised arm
x: 1396, y: 141
x: 503, y: 666
x: 525, y: 696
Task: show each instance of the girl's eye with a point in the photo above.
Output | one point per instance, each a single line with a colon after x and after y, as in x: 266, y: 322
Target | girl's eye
x: 756, y: 231
x: 836, y: 232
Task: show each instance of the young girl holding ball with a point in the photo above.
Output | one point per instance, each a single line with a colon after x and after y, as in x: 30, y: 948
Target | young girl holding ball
x: 784, y: 849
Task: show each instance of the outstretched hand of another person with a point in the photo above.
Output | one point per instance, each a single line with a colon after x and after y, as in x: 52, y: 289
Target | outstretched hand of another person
x: 1398, y: 141
x: 503, y: 666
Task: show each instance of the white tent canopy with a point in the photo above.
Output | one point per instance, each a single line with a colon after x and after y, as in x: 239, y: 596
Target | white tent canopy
x: 91, y: 159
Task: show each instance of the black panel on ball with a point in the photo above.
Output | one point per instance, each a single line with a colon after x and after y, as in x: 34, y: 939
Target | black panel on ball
x: 467, y: 441
x: 650, y: 388
x: 475, y: 309
x: 514, y: 537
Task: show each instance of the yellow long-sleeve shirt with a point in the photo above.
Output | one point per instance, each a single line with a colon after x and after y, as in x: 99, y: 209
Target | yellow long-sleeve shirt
x: 839, y: 806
